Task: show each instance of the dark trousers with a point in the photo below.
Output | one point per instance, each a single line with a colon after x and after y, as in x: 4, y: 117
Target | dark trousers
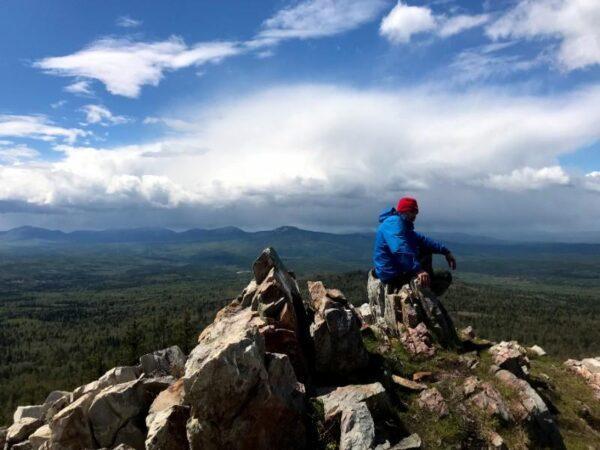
x: 440, y: 279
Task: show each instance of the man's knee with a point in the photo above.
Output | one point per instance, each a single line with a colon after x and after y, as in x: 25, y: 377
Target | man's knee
x: 441, y: 281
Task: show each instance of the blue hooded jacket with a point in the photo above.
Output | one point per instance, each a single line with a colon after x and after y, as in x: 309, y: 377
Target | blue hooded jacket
x: 398, y: 247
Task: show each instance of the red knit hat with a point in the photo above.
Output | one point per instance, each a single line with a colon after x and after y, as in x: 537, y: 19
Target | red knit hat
x: 407, y: 204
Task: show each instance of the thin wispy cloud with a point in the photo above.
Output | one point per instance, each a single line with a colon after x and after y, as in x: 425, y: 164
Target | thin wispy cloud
x: 574, y: 23
x: 124, y: 65
x: 100, y: 115
x: 319, y: 18
x: 36, y: 127
x: 128, y: 22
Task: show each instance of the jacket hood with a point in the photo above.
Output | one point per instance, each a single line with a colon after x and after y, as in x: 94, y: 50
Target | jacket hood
x: 387, y: 213
x: 390, y: 212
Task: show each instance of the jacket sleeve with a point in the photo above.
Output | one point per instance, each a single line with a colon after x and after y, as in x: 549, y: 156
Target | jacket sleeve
x: 432, y: 245
x: 404, y: 258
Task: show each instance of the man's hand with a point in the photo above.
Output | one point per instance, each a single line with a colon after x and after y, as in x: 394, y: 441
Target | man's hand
x: 451, y: 260
x: 424, y: 279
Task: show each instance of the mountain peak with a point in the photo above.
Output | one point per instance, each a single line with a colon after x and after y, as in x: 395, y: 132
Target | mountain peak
x: 299, y: 373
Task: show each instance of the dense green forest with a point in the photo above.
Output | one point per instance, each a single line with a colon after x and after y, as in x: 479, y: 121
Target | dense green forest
x: 67, y: 314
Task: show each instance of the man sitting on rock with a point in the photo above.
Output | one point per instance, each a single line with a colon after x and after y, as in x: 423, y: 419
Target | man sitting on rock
x: 401, y: 254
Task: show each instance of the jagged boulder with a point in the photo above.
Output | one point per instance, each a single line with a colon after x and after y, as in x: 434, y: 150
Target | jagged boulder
x: 241, y: 397
x: 114, y: 376
x: 401, y: 312
x: 512, y: 357
x: 21, y: 430
x: 432, y: 400
x: 356, y: 409
x: 167, y: 430
x: 589, y: 370
x: 274, y: 295
x: 483, y: 396
x: 40, y: 437
x: 29, y: 412
x: 70, y: 428
x: 172, y: 396
x: 168, y: 361
x: 533, y: 409
x: 366, y: 315
x: 117, y: 413
x: 339, y: 349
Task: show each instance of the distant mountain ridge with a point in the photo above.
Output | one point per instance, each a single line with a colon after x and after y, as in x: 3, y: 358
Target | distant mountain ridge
x: 232, y: 233
x: 152, y: 234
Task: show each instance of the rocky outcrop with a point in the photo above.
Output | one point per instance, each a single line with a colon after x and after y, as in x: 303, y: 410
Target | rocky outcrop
x: 169, y: 361
x: 257, y: 395
x: 20, y: 431
x: 414, y: 314
x: 533, y: 410
x: 433, y: 401
x: 339, y: 349
x: 355, y: 410
x: 589, y: 370
x: 512, y: 357
x: 483, y: 396
x: 167, y: 430
x: 114, y: 376
x: 273, y: 371
x: 117, y: 414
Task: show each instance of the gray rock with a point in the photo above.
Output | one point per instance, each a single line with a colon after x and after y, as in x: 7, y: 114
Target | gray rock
x: 356, y: 408
x: 29, y: 411
x: 70, y: 428
x: 376, y: 295
x: 116, y: 406
x: 512, y: 357
x: 408, y: 443
x: 169, y: 361
x: 172, y: 396
x: 167, y: 431
x: 114, y: 376
x: 432, y: 401
x: 533, y: 410
x: 55, y: 396
x: 537, y: 350
x: 339, y: 348
x: 240, y: 396
x: 132, y: 434
x: 21, y: 430
x: 487, y: 399
x: 589, y: 370
x: 25, y: 445
x: 357, y: 428
x: 40, y: 437
x: 3, y: 431
x: 366, y: 314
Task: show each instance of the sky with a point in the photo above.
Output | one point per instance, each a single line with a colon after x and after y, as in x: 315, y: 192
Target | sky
x: 313, y: 113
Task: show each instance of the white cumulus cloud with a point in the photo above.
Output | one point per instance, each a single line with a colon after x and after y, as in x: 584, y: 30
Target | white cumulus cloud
x: 405, y: 21
x: 124, y: 66
x: 529, y: 178
x: 332, y: 156
x: 575, y: 23
x: 592, y: 181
